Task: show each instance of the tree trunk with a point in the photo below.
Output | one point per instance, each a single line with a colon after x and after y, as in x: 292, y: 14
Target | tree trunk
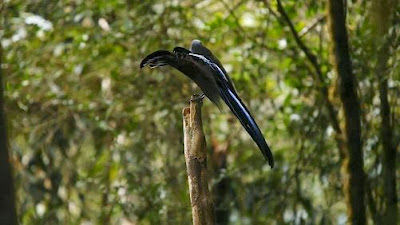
x: 222, y: 189
x: 7, y: 202
x: 352, y: 166
x: 389, y: 151
x: 382, y: 19
x: 196, y: 164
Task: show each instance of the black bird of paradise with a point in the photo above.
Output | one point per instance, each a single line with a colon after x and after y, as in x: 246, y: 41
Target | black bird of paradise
x: 200, y: 65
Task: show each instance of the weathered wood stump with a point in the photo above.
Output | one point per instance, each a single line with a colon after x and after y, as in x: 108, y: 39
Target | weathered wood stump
x: 196, y: 164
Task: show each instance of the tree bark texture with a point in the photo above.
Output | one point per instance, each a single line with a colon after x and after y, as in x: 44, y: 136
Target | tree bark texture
x: 196, y: 164
x: 352, y: 166
x: 7, y: 202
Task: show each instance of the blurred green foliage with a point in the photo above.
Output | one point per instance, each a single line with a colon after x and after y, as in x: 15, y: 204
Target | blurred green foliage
x: 95, y: 140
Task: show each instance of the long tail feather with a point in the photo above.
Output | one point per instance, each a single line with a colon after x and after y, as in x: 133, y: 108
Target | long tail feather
x: 245, y: 118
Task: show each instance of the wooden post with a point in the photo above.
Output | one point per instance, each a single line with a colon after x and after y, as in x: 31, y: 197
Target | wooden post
x: 196, y: 164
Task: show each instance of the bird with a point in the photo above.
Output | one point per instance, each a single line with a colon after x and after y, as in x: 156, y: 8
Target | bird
x: 200, y: 65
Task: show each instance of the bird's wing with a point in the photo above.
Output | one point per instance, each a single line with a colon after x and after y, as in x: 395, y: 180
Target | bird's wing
x: 239, y: 109
x: 180, y: 60
x: 215, y: 83
x: 158, y: 58
x: 198, y: 48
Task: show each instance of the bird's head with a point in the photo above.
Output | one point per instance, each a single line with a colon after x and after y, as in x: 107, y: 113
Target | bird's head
x: 198, y: 48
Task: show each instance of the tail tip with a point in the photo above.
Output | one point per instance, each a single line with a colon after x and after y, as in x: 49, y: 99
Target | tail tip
x: 271, y: 163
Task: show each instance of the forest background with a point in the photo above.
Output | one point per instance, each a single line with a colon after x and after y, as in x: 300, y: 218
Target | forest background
x: 92, y: 139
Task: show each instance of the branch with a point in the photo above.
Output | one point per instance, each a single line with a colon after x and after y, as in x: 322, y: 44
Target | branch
x: 242, y: 32
x: 311, y: 57
x: 317, y: 71
x: 311, y: 26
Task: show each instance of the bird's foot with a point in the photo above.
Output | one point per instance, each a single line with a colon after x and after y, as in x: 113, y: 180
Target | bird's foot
x: 197, y: 97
